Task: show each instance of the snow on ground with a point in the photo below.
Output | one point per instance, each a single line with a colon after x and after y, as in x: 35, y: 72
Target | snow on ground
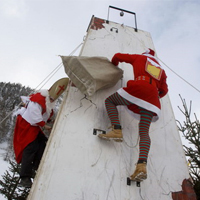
x: 3, y: 164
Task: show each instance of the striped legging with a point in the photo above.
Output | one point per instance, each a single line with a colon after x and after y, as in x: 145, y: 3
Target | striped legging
x: 145, y: 120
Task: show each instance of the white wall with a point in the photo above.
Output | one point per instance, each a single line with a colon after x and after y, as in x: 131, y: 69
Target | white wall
x: 78, y: 165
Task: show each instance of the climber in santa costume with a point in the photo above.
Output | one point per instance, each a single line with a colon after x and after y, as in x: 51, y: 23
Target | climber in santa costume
x: 142, y: 98
x: 29, y: 141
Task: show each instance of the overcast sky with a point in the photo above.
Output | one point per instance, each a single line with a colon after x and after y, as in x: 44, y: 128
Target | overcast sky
x: 34, y: 32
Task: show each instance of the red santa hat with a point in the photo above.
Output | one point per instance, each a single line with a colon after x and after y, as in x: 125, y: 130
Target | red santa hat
x: 149, y: 51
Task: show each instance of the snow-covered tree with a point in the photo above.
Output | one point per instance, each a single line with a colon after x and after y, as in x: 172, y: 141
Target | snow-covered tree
x: 9, y: 184
x: 9, y: 99
x: 191, y: 132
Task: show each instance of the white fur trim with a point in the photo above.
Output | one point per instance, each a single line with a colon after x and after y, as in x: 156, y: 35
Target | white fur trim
x: 44, y: 93
x: 25, y: 99
x: 147, y: 51
x: 141, y: 103
x: 150, y: 56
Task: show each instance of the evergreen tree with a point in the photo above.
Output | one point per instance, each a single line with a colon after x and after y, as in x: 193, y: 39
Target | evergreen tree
x: 9, y: 98
x: 9, y: 185
x: 191, y: 132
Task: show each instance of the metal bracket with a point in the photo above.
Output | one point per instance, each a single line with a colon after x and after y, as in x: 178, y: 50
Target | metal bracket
x: 98, y: 131
x: 129, y: 182
x: 113, y: 29
x: 121, y: 14
x: 138, y: 184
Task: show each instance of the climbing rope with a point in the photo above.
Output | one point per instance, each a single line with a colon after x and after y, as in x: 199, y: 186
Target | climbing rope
x: 43, y: 82
x: 56, y: 69
x: 179, y: 76
x: 145, y: 47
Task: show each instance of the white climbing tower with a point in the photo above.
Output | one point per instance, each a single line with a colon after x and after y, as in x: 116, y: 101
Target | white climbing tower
x: 78, y: 165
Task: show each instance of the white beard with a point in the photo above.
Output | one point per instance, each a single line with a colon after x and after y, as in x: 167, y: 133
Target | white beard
x: 49, y: 105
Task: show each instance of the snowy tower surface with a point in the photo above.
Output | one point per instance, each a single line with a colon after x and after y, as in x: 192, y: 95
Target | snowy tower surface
x: 78, y: 165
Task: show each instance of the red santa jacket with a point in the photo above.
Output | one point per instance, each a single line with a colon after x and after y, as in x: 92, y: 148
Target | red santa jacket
x: 149, y: 82
x: 24, y: 132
